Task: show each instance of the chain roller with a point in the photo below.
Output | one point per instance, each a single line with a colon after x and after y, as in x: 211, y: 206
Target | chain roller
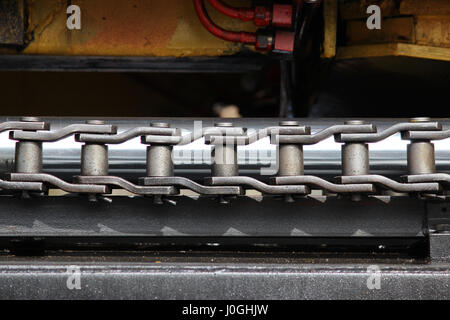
x: 290, y: 137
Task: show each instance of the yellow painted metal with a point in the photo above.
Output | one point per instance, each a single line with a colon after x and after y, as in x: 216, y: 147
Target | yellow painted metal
x: 330, y: 13
x: 415, y: 28
x: 128, y: 28
x: 393, y: 49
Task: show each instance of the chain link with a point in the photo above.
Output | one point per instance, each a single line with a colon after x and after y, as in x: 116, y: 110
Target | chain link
x: 354, y: 136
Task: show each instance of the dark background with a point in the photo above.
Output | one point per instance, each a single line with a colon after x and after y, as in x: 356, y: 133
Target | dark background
x: 379, y: 87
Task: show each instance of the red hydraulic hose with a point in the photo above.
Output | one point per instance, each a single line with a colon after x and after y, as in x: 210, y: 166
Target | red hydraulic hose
x: 242, y: 37
x: 245, y: 14
x: 279, y: 15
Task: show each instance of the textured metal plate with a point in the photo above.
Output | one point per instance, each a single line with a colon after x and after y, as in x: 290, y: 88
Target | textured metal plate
x: 125, y: 280
x: 125, y: 216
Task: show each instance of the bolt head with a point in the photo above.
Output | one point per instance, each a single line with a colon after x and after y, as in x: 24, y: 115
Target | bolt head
x: 30, y: 119
x: 289, y: 123
x: 354, y: 122
x: 420, y: 119
x: 160, y: 125
x: 224, y: 124
x: 95, y: 122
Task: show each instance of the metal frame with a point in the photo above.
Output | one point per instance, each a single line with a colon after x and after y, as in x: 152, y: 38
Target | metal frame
x: 127, y: 280
x: 205, y: 217
x: 132, y: 64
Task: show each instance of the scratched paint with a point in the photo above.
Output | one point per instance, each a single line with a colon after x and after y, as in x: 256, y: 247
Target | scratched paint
x: 127, y: 28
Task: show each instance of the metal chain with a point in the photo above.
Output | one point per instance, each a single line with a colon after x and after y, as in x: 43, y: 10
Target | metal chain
x: 355, y: 136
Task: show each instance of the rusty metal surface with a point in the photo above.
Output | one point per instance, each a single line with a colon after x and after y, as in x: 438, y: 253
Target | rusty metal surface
x: 127, y: 28
x: 11, y: 22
